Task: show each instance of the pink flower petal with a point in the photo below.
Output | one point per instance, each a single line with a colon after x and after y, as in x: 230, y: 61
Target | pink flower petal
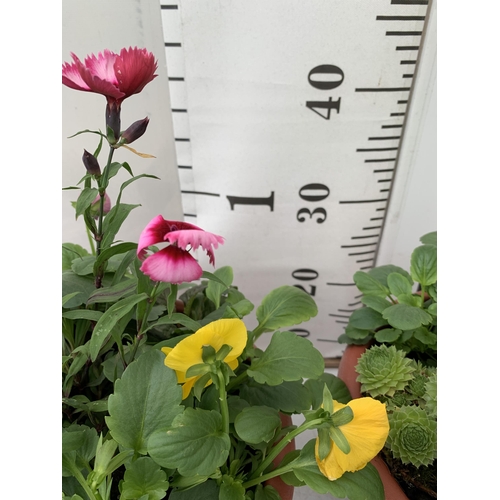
x: 156, y: 232
x: 172, y: 265
x: 196, y: 239
x: 134, y: 69
x: 102, y: 66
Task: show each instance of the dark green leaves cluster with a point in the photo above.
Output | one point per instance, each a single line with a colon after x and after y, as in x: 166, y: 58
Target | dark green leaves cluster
x: 400, y: 307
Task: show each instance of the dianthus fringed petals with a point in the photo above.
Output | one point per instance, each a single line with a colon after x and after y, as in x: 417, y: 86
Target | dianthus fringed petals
x: 172, y: 265
x: 366, y: 434
x: 157, y: 231
x: 189, y: 351
x: 116, y: 76
x: 183, y: 237
x: 195, y: 239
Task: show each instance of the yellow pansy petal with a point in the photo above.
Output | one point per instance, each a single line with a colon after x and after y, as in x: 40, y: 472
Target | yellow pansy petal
x: 233, y: 332
x: 188, y: 352
x: 187, y: 386
x: 366, y: 434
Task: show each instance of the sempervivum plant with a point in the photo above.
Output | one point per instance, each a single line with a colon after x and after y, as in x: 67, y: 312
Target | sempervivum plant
x: 384, y: 370
x: 412, y: 436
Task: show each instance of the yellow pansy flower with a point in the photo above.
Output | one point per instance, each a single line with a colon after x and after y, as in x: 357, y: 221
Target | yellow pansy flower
x: 366, y: 434
x: 188, y: 352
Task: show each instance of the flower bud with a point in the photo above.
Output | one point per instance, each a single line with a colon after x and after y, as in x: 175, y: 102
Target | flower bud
x: 91, y: 163
x: 135, y: 131
x: 95, y: 206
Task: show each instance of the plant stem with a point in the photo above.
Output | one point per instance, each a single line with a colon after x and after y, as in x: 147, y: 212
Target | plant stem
x: 103, y: 182
x: 91, y: 241
x: 236, y: 381
x: 79, y: 477
x: 224, y: 410
x: 265, y: 477
x: 279, y: 446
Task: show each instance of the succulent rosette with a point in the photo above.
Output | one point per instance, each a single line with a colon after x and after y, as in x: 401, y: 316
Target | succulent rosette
x: 384, y: 370
x: 413, y: 436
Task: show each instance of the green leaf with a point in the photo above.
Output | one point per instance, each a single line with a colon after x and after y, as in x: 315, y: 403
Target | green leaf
x: 289, y: 397
x: 72, y: 440
x: 195, y: 443
x: 375, y: 302
x: 361, y: 485
x: 410, y: 300
x: 177, y: 318
x: 113, y: 222
x: 239, y: 310
x: 405, y: 317
x: 144, y: 477
x: 388, y: 335
x: 215, y: 289
x: 114, y: 293
x: 86, y: 451
x: 256, y: 424
x: 87, y: 196
x: 429, y: 238
x: 366, y: 318
x: 356, y: 334
x: 107, y: 253
x: 381, y: 273
x: 423, y: 266
x: 369, y: 285
x: 231, y: 489
x: 425, y: 336
x: 70, y: 252
x: 83, y: 314
x: 109, y: 320
x: 146, y: 399
x: 335, y: 385
x: 206, y: 491
x: 285, y: 306
x: 398, y: 284
x: 83, y: 266
x: 68, y: 297
x: 288, y: 357
x: 266, y: 493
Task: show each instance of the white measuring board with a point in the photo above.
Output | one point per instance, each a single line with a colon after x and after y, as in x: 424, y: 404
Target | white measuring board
x: 289, y: 117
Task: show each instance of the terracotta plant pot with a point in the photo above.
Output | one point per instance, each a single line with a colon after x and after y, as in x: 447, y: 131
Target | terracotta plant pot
x: 348, y: 375
x: 285, y: 491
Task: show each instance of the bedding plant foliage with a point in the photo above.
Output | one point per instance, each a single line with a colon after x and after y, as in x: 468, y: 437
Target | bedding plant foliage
x: 399, y: 368
x: 164, y: 394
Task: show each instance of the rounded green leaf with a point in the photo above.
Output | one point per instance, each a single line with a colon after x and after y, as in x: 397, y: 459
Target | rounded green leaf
x: 406, y: 317
x: 288, y: 357
x: 429, y: 238
x: 366, y: 319
x: 146, y: 398
x: 194, y: 444
x: 423, y: 266
x: 387, y: 335
x: 369, y: 285
x: 285, y: 306
x: 375, y: 302
x: 257, y: 424
x: 289, y: 397
x: 144, y: 477
x: 398, y: 284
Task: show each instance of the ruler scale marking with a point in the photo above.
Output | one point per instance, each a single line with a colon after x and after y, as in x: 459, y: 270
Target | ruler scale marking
x: 309, y: 198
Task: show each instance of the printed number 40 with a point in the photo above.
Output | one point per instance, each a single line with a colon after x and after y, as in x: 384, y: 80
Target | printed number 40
x: 324, y: 108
